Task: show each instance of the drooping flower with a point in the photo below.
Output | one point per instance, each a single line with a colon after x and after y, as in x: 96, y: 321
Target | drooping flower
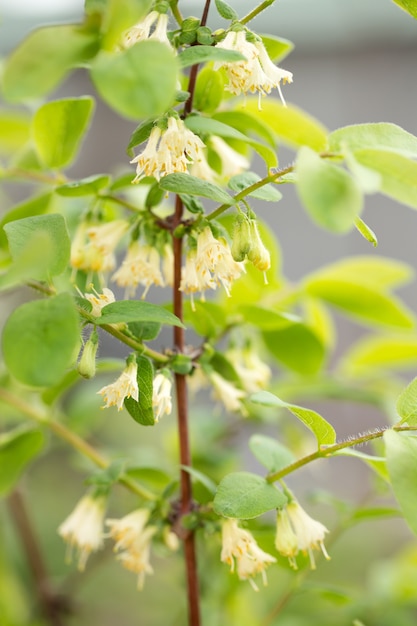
x: 253, y: 373
x: 257, y: 73
x: 83, y: 528
x: 142, y: 30
x: 87, y: 364
x: 99, y: 300
x: 232, y: 162
x: 168, y: 151
x: 215, y: 259
x: 247, y: 243
x: 161, y: 396
x: 140, y: 267
x: 126, y: 386
x: 93, y: 247
x: 133, y: 542
x: 298, y: 532
x: 192, y: 280
x: 227, y: 393
x: 240, y: 548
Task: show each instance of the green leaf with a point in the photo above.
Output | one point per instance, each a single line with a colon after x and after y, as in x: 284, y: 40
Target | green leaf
x: 270, y: 453
x: 40, y: 247
x: 267, y: 318
x: 193, y: 186
x: 226, y: 11
x: 41, y: 340
x: 243, y: 495
x: 200, y: 124
x: 209, y: 90
x: 409, y: 6
x: 382, y: 136
x: 247, y: 123
x: 14, y: 130
x: 139, y: 135
x: 126, y: 80
x: 17, y: 449
x: 201, y: 54
x: 292, y: 125
x: 277, y: 47
x: 59, y: 127
x: 398, y: 174
x: 136, y: 311
x: 34, y: 206
x: 145, y: 331
x: 142, y: 411
x: 331, y: 196
x: 323, y: 431
x: 361, y: 515
x: 121, y: 15
x: 297, y: 347
x: 44, y: 58
x: 89, y: 186
x: 407, y: 404
x: 372, y: 271
x: 381, y: 353
x: 366, y: 231
x: 246, y: 179
x: 360, y: 301
x: 401, y: 451
x: 201, y: 478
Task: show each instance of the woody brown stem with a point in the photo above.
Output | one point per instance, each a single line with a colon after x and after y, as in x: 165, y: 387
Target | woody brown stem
x: 183, y: 433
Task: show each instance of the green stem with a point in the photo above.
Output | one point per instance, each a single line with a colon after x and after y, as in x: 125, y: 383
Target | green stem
x: 74, y: 440
x: 271, y: 178
x: 261, y: 7
x: 176, y: 12
x: 124, y: 203
x: 327, y: 451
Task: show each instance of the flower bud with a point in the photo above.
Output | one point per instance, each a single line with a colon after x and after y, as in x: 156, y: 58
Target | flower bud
x: 258, y: 254
x: 241, y: 243
x: 87, y: 363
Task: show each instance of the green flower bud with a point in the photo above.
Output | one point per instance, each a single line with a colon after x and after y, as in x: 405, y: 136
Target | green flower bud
x: 258, y: 254
x: 241, y: 243
x: 87, y: 363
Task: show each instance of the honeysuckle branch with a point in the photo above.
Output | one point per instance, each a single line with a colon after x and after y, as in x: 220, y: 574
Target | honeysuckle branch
x: 261, y: 7
x: 327, y: 451
x: 239, y: 197
x: 75, y: 441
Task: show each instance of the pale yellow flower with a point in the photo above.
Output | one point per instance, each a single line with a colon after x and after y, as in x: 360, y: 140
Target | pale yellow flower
x: 140, y: 267
x: 142, y: 30
x: 232, y: 162
x: 298, y: 532
x: 133, y: 542
x: 83, y: 528
x: 214, y: 261
x: 99, y: 300
x: 240, y: 548
x: 126, y: 386
x: 161, y: 396
x: 227, y: 393
x: 93, y: 247
x: 257, y: 74
x: 168, y: 151
x: 254, y: 373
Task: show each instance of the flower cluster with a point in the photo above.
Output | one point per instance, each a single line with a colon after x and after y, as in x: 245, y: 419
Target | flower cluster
x: 257, y: 73
x: 298, y: 532
x: 83, y: 528
x: 126, y: 386
x: 239, y: 547
x: 93, y: 247
x: 142, y: 266
x: 168, y: 151
x: 209, y: 265
x: 133, y: 542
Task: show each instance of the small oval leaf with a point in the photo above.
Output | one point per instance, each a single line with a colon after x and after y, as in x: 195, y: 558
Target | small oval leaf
x: 243, y: 495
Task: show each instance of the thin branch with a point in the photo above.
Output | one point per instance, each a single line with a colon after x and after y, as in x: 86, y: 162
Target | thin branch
x: 327, y: 451
x: 261, y: 7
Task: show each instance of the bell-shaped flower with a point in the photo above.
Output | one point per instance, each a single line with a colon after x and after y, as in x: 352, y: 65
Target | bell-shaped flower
x: 126, y: 386
x: 93, y: 247
x: 240, y: 549
x: 83, y: 528
x: 161, y: 396
x: 132, y: 538
x: 225, y: 391
x: 232, y: 162
x: 140, y: 267
x: 257, y: 74
x: 252, y: 371
x: 168, y: 151
x: 142, y: 30
x: 298, y: 532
